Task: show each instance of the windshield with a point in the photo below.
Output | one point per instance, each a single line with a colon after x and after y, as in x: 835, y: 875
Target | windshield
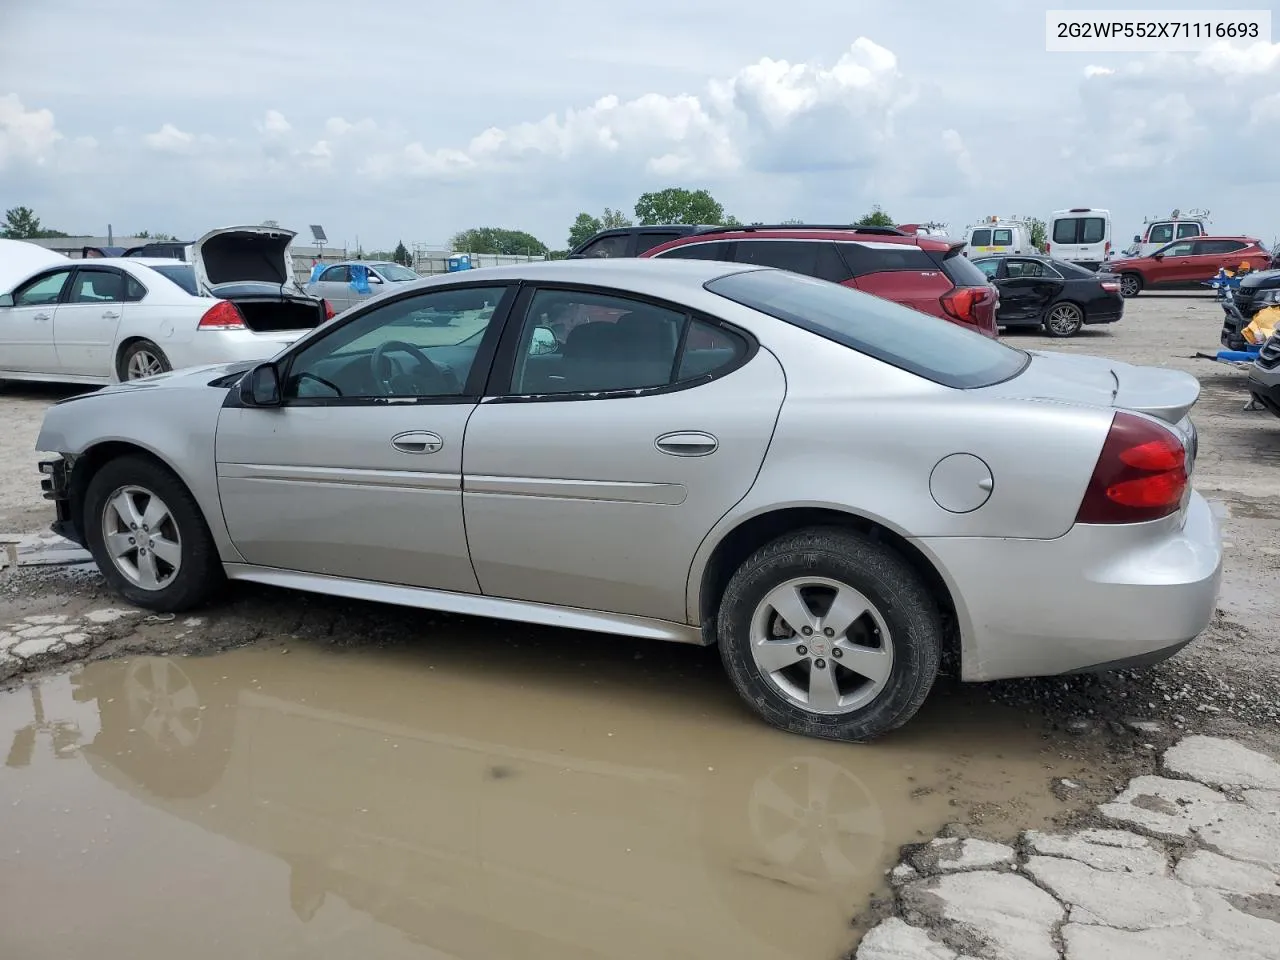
x: 183, y: 274
x: 395, y: 272
x: 929, y: 347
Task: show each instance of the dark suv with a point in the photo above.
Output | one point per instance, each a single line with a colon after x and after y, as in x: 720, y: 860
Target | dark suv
x: 633, y: 241
x: 925, y: 273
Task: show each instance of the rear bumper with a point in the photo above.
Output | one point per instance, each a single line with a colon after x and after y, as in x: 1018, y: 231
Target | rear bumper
x: 230, y: 346
x: 1104, y: 315
x: 1098, y: 597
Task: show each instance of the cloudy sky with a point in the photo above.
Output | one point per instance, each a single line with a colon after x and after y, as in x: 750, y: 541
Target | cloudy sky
x: 414, y: 120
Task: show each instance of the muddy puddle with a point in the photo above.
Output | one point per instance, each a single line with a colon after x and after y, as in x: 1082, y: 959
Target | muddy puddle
x: 402, y: 803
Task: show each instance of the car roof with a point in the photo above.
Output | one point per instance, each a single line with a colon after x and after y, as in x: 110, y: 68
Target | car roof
x: 628, y: 273
x: 842, y: 234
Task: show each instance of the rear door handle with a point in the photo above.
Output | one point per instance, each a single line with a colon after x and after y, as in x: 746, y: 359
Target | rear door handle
x: 111, y: 315
x: 687, y: 443
x: 417, y: 441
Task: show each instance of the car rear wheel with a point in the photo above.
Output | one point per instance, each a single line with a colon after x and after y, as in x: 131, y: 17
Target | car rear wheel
x: 148, y: 536
x: 1130, y: 285
x: 1063, y: 320
x: 141, y: 359
x: 827, y: 633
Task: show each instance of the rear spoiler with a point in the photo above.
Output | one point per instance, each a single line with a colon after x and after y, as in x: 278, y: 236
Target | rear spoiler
x: 954, y: 249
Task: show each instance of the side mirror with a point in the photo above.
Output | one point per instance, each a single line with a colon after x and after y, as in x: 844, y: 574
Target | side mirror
x: 6, y: 299
x: 544, y: 342
x: 260, y: 387
x: 1137, y: 238
x: 374, y: 278
x: 1157, y: 256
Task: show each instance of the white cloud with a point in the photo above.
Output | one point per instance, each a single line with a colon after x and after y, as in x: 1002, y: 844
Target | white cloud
x: 274, y: 124
x: 1092, y: 70
x: 169, y: 139
x: 25, y: 135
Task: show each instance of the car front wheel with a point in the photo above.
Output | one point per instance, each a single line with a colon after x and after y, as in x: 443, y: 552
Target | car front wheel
x: 827, y: 633
x: 1130, y: 285
x: 148, y: 536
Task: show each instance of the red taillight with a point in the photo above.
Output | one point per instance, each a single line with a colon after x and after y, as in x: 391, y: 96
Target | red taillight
x: 963, y: 302
x: 223, y: 315
x: 1141, y: 474
x: 1106, y: 249
x: 329, y: 313
x: 1046, y: 247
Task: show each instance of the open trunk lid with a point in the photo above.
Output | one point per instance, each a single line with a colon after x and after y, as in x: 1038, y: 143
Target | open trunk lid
x: 240, y: 254
x: 1155, y: 391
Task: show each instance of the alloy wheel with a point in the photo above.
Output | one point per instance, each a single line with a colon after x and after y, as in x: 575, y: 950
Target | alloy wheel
x: 144, y: 364
x: 822, y: 645
x: 1065, y: 319
x: 142, y: 538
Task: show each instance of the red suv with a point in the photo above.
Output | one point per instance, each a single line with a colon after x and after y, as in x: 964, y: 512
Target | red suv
x: 1186, y: 263
x: 926, y: 273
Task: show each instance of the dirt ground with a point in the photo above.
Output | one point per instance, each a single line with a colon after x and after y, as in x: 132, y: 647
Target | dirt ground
x: 643, y: 741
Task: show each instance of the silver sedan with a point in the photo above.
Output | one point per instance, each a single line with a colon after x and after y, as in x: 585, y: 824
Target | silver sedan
x: 834, y: 489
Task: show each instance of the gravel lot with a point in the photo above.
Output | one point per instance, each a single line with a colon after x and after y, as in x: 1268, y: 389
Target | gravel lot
x: 1231, y: 676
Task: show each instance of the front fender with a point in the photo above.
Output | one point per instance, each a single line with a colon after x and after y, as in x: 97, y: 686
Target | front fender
x: 176, y: 426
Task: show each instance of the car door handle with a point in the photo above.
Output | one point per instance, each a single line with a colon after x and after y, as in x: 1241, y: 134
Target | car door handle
x: 417, y: 441
x: 111, y: 315
x: 42, y: 316
x: 690, y: 443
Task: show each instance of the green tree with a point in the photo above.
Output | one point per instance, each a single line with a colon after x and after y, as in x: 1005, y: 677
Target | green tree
x: 401, y: 255
x: 613, y: 219
x: 678, y: 205
x: 876, y: 218
x: 585, y: 226
x: 1039, y: 233
x: 499, y: 240
x: 21, y: 223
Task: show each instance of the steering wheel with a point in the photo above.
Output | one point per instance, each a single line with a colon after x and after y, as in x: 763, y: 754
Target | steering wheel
x: 438, y: 381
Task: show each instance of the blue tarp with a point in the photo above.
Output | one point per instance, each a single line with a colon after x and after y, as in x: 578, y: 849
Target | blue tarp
x: 359, y: 278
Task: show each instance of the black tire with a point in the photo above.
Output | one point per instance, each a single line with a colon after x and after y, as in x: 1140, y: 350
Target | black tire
x: 885, y: 579
x: 199, y: 573
x: 1130, y: 285
x: 135, y: 349
x: 1063, y: 319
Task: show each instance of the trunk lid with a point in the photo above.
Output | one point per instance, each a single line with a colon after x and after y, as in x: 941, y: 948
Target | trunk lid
x: 239, y: 254
x: 1166, y: 394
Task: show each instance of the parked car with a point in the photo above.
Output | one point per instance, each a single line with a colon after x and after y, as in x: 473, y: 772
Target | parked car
x: 1054, y: 294
x: 996, y: 235
x: 1186, y: 264
x: 1080, y: 235
x: 633, y: 241
x: 1264, y: 375
x: 924, y: 273
x: 1257, y: 291
x: 819, y: 481
x: 105, y: 319
x: 335, y: 282
x: 165, y: 249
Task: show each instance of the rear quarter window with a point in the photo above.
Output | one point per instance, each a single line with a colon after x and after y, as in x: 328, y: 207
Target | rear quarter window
x: 926, y: 346
x: 961, y: 271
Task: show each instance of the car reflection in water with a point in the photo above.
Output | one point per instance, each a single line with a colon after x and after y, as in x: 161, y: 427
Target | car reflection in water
x: 474, y: 836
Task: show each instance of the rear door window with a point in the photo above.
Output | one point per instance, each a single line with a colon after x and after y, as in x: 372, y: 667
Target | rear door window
x: 1002, y: 238
x: 1093, y: 230
x: 982, y: 238
x: 1079, y: 230
x: 813, y: 258
x: 647, y: 241
x: 1188, y: 230
x: 717, y: 250
x: 97, y: 286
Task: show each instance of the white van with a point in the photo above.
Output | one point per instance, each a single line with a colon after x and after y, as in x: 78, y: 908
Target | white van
x: 1081, y: 235
x: 995, y: 236
x: 1157, y: 231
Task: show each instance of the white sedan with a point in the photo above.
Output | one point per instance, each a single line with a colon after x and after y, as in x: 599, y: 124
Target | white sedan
x: 105, y: 320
